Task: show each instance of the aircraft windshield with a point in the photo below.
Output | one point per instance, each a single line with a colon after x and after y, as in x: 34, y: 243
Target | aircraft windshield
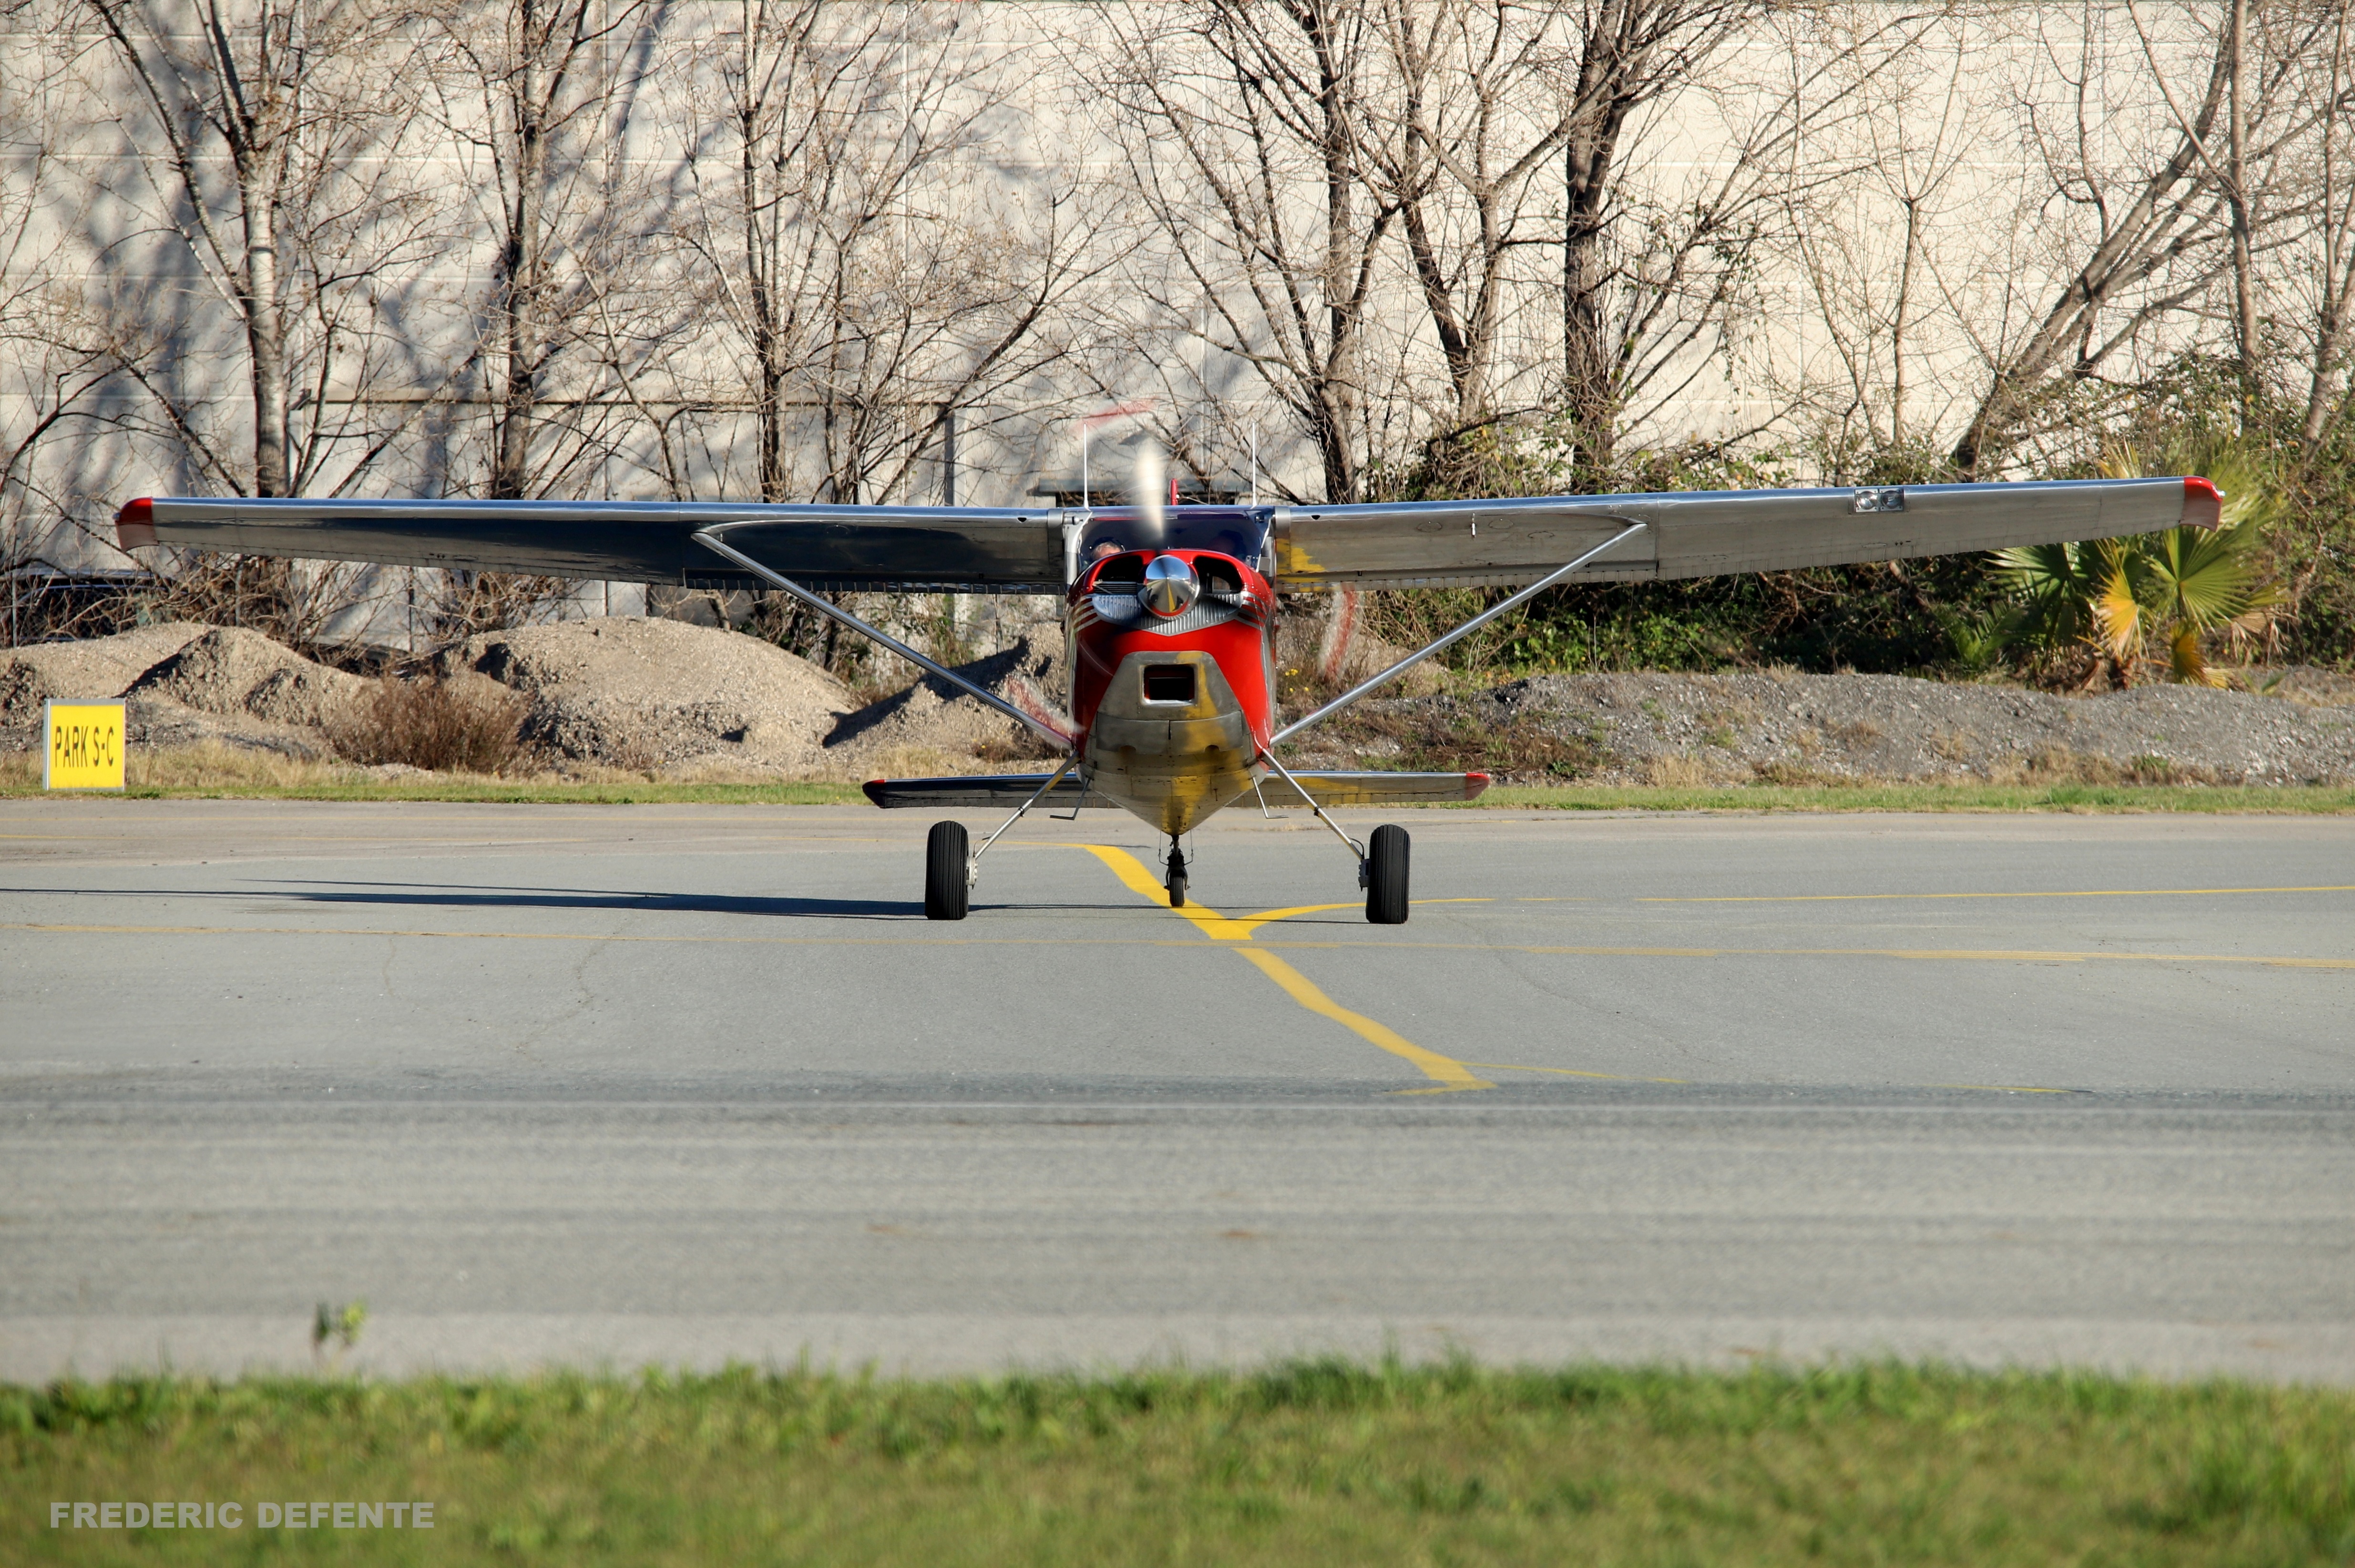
x: 1229, y: 530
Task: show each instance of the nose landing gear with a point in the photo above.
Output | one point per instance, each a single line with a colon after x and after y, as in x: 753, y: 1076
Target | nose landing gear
x: 1176, y: 879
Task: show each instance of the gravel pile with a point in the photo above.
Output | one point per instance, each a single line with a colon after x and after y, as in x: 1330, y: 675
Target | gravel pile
x: 655, y: 695
x: 1785, y: 727
x: 932, y: 729
x: 667, y: 697
x: 184, y: 684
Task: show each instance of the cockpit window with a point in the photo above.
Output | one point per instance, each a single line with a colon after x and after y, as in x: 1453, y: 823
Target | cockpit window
x: 1121, y: 571
x: 1229, y: 530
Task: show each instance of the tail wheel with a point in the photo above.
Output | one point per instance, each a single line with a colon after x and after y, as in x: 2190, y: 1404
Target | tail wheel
x: 947, y: 873
x: 1386, y: 876
x: 1176, y: 881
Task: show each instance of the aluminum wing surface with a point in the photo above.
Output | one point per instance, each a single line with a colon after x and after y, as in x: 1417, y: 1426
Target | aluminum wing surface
x: 907, y: 548
x: 1702, y: 533
x: 1023, y: 550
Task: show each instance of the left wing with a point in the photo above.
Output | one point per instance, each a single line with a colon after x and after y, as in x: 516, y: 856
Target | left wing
x: 971, y: 549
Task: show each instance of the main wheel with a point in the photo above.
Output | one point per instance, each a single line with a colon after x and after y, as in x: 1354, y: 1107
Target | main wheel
x: 946, y: 873
x: 1386, y: 876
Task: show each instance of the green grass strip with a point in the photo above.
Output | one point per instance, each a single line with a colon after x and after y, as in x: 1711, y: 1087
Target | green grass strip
x: 2287, y: 797
x: 1310, y: 1462
x: 467, y: 789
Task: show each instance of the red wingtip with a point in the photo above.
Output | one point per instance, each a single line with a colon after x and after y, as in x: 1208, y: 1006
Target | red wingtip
x: 1473, y: 784
x: 134, y: 525
x: 2203, y: 503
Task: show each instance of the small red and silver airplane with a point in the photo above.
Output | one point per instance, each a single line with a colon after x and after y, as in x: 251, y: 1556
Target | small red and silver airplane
x: 1170, y: 609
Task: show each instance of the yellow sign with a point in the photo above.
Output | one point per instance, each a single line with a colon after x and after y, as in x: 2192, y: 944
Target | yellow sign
x: 85, y: 746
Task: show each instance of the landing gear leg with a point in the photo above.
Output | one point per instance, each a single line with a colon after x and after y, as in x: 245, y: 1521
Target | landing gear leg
x: 1176, y: 880
x: 1385, y: 876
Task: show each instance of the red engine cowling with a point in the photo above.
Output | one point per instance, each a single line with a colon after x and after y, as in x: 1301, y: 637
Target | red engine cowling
x: 1119, y: 615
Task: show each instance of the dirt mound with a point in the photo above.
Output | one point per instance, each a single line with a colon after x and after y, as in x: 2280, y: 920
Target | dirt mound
x: 1783, y: 727
x: 626, y: 692
x: 184, y: 684
x: 932, y: 728
x: 90, y: 671
x: 684, y: 700
x: 228, y: 671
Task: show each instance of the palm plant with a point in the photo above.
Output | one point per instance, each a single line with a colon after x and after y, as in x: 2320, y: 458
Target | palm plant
x: 2176, y: 586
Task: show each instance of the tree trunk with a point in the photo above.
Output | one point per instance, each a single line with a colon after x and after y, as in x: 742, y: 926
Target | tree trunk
x: 2245, y: 288
x: 265, y: 331
x: 521, y: 261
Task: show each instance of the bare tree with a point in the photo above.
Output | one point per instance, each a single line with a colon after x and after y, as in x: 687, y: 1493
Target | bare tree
x: 2329, y: 267
x: 535, y: 86
x: 2154, y: 230
x: 874, y: 273
x: 1240, y: 128
x: 264, y: 135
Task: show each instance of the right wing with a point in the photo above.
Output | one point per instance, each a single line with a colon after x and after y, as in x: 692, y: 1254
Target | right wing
x: 1699, y: 534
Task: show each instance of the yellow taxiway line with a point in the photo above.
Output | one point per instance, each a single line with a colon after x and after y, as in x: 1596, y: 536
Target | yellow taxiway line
x: 1447, y: 1075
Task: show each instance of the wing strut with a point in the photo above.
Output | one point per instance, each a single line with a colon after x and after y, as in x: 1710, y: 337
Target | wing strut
x: 1355, y: 848
x: 1428, y: 649
x: 710, y: 539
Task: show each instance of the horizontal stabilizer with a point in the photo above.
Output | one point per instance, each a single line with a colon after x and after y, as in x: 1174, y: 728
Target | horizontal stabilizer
x: 977, y: 792
x: 1375, y: 788
x: 983, y: 792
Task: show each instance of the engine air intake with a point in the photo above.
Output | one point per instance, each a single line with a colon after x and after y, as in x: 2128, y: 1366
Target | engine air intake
x: 1169, y: 683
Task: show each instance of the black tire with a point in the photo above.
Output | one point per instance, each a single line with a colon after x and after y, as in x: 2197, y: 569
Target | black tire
x: 945, y: 860
x: 1386, y: 876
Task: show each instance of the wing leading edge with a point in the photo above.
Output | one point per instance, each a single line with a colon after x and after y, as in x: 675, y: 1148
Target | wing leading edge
x: 1021, y: 550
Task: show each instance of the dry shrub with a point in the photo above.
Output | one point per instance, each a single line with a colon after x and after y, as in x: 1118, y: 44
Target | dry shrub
x: 472, y: 726
x: 2058, y: 765
x: 1675, y: 773
x: 1798, y: 776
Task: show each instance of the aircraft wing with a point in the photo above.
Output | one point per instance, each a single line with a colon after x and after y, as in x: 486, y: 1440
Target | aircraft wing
x: 1007, y: 791
x: 1020, y: 549
x: 1700, y: 533
x: 971, y: 549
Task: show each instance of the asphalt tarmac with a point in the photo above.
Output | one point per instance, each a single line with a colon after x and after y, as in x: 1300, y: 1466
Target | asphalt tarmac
x: 619, y: 1084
